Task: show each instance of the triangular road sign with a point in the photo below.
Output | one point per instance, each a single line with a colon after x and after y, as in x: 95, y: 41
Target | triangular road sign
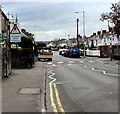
x: 15, y: 30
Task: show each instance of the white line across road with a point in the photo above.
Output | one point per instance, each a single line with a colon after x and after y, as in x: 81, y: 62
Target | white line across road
x: 49, y: 63
x: 81, y: 61
x: 60, y: 62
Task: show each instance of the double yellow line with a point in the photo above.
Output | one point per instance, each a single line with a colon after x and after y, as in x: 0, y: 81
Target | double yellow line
x: 51, y: 85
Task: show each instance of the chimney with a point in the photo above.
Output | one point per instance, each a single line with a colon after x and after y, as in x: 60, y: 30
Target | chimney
x: 103, y: 31
x: 23, y: 30
x: 98, y: 32
x: 94, y: 34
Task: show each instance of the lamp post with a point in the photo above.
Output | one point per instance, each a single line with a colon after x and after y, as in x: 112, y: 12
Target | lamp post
x: 35, y: 32
x: 83, y: 28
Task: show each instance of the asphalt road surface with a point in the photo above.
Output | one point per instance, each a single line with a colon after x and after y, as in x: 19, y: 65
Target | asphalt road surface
x: 81, y: 85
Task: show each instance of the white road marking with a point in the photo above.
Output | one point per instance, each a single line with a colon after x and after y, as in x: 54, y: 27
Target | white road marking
x: 110, y: 92
x: 50, y: 76
x: 60, y: 62
x: 53, y: 65
x: 93, y: 68
x: 49, y: 63
x: 70, y: 62
x: 101, y: 61
x: 98, y: 70
x: 104, y: 72
x: 112, y: 74
x: 81, y: 61
x: 43, y: 110
x: 50, y: 71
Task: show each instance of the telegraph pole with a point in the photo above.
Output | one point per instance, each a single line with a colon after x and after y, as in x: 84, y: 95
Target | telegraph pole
x: 77, y: 31
x: 84, y: 31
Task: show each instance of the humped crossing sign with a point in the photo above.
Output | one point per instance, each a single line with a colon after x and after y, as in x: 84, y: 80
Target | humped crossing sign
x: 15, y: 34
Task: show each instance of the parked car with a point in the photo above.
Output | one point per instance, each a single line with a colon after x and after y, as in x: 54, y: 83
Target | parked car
x: 66, y: 53
x: 74, y: 52
x: 62, y: 51
x: 45, y: 53
x: 54, y: 49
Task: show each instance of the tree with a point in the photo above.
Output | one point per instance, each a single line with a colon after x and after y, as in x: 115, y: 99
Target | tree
x: 41, y: 44
x: 113, y: 17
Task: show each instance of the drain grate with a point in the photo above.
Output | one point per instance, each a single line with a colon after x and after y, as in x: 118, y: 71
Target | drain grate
x: 35, y: 91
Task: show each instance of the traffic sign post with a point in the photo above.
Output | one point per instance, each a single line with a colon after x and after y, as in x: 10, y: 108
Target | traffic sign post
x: 15, y: 34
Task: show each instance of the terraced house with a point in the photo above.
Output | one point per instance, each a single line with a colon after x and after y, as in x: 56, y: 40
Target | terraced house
x: 5, y: 59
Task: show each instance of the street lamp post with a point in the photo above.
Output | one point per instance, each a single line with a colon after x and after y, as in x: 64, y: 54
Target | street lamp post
x: 35, y: 32
x: 83, y: 28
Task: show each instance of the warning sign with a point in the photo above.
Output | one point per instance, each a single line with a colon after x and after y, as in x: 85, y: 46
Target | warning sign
x: 15, y: 34
x: 15, y: 38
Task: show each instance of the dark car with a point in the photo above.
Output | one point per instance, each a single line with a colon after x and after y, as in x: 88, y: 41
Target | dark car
x: 61, y: 51
x: 74, y: 52
x: 66, y: 53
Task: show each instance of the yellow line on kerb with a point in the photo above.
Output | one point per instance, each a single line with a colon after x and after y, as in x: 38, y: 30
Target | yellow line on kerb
x: 58, y: 100
x: 52, y: 100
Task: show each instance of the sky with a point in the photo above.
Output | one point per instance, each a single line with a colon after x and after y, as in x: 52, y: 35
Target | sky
x: 52, y: 20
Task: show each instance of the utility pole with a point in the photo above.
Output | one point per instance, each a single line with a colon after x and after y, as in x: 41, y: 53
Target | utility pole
x: 83, y: 28
x: 77, y: 31
x: 16, y: 20
x: 84, y: 31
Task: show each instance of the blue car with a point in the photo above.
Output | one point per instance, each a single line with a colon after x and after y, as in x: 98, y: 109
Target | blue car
x: 74, y: 52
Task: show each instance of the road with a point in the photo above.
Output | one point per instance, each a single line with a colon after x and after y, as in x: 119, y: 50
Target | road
x: 81, y: 85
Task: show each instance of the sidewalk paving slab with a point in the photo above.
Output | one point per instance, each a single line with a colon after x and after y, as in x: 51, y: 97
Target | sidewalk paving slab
x: 29, y: 80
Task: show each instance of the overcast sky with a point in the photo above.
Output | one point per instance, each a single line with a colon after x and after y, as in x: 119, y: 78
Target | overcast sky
x: 54, y: 20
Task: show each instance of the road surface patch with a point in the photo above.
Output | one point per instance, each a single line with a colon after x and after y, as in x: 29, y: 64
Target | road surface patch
x: 25, y: 91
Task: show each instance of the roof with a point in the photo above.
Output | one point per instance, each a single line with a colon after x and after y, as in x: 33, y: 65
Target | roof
x: 3, y: 14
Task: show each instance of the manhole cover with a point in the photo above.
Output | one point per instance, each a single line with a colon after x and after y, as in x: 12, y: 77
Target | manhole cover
x: 30, y: 91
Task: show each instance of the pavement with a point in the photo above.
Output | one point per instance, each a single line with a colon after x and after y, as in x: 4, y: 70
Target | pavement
x: 23, y: 91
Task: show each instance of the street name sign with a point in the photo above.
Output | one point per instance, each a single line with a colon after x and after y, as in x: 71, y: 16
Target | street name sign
x: 15, y: 34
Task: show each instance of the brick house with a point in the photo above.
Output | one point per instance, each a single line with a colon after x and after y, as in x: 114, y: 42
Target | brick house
x: 5, y: 59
